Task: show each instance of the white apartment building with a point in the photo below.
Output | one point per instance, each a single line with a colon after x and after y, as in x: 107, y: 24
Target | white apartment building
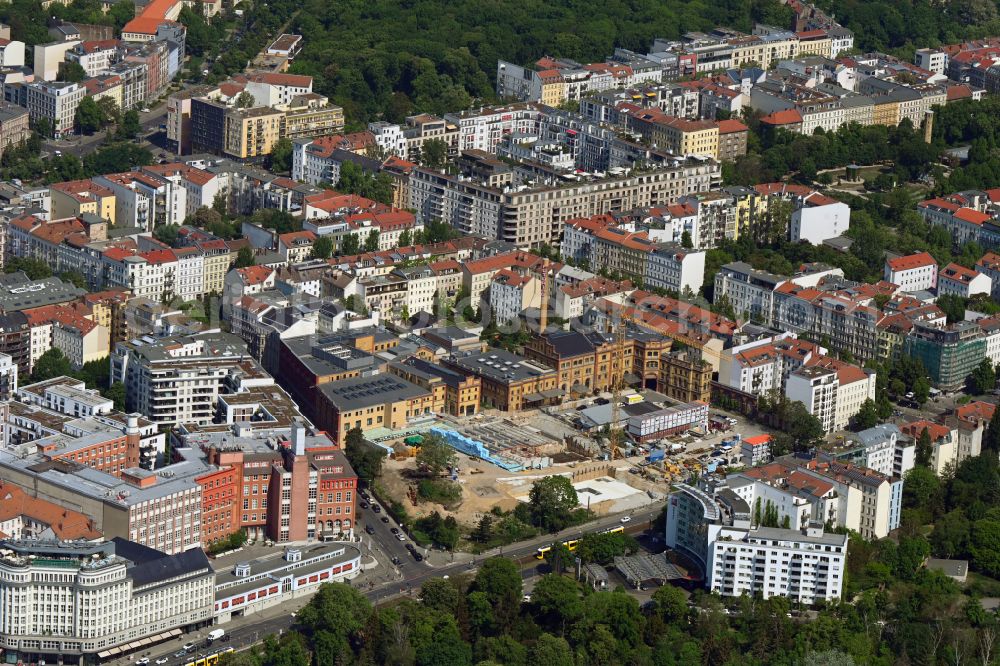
x: 764, y: 365
x: 389, y: 137
x: 8, y: 377
x: 832, y: 391
x: 88, y: 598
x: 484, y: 129
x: 914, y: 272
x: 535, y: 215
x: 932, y: 60
x: 511, y: 293
x: 816, y: 388
x: 296, y: 246
x: 421, y: 288
x: 149, y: 275
x: 145, y: 200
x: 883, y: 449
x: 874, y: 500
x: 677, y: 270
x: 272, y: 88
x: 750, y: 291
x: 95, y: 57
x: 961, y: 281
x: 177, y: 379
x: 819, y: 218
x: 189, y: 275
x: 55, y: 102
x: 806, y: 566
x: 715, y: 532
x: 11, y: 53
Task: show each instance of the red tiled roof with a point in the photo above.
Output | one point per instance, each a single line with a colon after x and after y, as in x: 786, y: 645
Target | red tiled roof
x: 972, y: 216
x: 731, y: 126
x: 159, y: 257
x: 66, y: 524
x: 255, y: 274
x: 958, y: 273
x: 915, y: 428
x: 786, y: 117
x: 918, y: 260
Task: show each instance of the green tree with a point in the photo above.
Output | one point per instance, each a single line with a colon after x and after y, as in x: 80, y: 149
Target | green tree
x: 129, y: 127
x: 116, y: 392
x: 499, y: 579
x: 52, y: 363
x: 110, y: 113
x: 89, y: 117
x: 405, y: 238
x: 435, y: 455
x: 434, y: 153
x: 867, y: 416
x: 560, y: 558
x: 985, y: 546
x: 953, y: 307
x: 371, y: 241
x: 365, y: 457
x: 44, y: 127
x: 484, y: 530
x: 72, y: 72
x: 350, y: 245
x: 670, y: 604
x: 35, y: 269
x: 245, y: 257
x: 686, y: 240
x: 557, y: 601
x: 921, y: 390
x: 551, y: 651
x: 335, y: 618
x: 245, y: 100
x: 441, y: 595
x: 166, y: 234
x: 75, y: 278
x: 322, y: 248
x: 115, y: 157
x: 281, y: 156
x: 925, y: 449
x: 551, y: 501
x: 983, y: 378
x: 991, y: 438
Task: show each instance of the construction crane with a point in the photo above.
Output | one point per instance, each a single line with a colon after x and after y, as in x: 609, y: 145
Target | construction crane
x: 543, y: 321
x: 619, y: 328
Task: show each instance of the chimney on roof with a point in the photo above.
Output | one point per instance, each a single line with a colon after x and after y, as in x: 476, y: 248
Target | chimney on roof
x: 299, y: 438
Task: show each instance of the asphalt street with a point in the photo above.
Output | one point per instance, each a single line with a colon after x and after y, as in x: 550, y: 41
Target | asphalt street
x: 81, y: 145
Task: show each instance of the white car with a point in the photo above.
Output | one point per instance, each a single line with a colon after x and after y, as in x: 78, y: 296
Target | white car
x: 142, y: 662
x: 162, y: 660
x: 401, y: 536
x: 626, y: 519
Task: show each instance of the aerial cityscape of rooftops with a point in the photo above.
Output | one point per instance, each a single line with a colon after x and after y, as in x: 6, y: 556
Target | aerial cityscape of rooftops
x: 650, y: 332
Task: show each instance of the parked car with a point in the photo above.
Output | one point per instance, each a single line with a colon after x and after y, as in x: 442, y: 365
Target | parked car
x: 418, y: 557
x: 188, y: 647
x: 385, y: 519
x: 376, y: 508
x: 162, y: 660
x: 369, y: 529
x: 142, y: 661
x: 394, y: 530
